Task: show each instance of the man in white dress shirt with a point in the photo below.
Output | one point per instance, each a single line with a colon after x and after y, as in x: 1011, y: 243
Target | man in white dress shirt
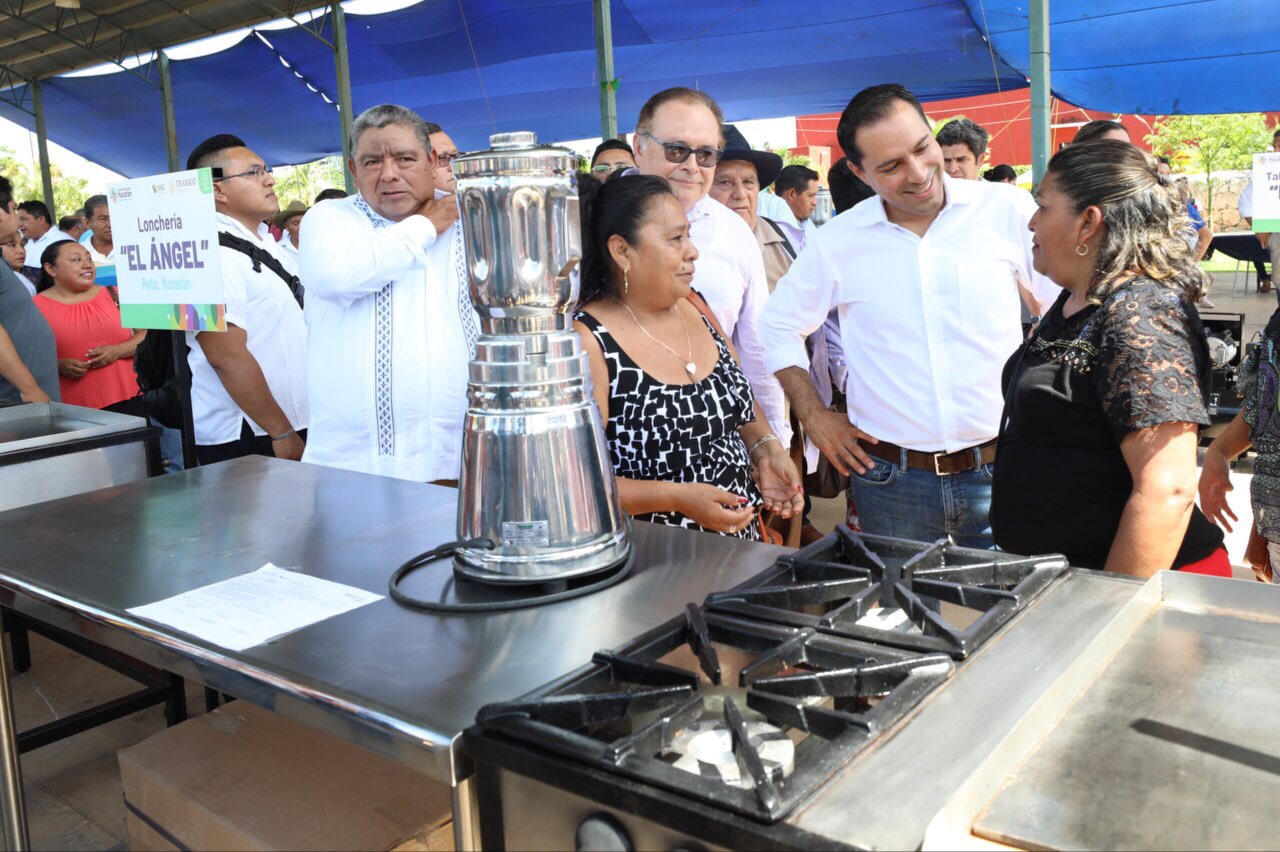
x: 36, y: 223
x: 925, y: 276
x: 389, y: 310
x: 797, y: 187
x: 678, y: 138
x: 248, y: 384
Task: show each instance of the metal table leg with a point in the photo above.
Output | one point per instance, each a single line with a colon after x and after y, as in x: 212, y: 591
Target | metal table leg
x: 11, y: 801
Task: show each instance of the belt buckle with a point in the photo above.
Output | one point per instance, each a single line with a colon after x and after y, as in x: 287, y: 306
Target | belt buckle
x: 937, y: 468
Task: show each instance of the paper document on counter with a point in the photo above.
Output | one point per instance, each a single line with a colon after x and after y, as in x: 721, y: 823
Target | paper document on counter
x: 256, y: 607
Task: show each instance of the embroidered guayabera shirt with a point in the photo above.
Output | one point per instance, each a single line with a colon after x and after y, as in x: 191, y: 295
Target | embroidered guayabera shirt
x: 392, y: 329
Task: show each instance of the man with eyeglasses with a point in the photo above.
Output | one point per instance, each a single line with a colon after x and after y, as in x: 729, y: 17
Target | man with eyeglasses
x: 444, y: 149
x: 611, y: 155
x: 678, y: 137
x: 249, y: 383
x: 389, y: 308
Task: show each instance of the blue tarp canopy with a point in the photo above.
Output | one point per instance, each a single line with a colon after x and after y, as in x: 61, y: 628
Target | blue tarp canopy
x: 531, y: 64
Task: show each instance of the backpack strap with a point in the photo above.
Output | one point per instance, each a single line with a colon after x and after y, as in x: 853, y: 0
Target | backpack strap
x: 786, y: 243
x: 260, y: 257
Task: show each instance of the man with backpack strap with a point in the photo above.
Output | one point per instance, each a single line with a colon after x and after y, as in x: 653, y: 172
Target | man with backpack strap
x: 249, y: 383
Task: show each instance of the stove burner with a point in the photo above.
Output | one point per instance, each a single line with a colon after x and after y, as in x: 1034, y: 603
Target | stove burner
x: 887, y: 590
x: 706, y: 748
x: 636, y: 713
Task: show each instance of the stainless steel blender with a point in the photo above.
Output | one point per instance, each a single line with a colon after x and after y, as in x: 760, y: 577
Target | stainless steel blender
x: 536, y: 478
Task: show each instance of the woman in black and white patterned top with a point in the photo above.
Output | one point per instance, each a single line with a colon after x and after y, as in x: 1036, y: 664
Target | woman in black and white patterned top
x: 688, y: 445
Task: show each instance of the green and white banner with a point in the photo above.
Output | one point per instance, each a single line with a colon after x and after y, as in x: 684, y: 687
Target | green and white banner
x: 1266, y: 193
x: 166, y: 240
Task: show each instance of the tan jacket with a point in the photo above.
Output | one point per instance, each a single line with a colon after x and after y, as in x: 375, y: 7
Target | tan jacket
x: 773, y: 246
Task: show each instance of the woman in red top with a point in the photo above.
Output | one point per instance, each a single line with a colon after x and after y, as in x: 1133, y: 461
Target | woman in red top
x: 95, y: 354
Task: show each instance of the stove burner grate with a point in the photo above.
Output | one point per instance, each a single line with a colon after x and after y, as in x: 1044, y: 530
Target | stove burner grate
x: 838, y: 584
x: 628, y: 710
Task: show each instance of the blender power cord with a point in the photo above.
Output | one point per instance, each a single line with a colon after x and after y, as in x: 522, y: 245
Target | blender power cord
x: 451, y: 549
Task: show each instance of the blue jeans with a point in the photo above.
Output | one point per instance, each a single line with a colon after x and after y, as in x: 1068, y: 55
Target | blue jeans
x: 920, y: 505
x: 170, y: 447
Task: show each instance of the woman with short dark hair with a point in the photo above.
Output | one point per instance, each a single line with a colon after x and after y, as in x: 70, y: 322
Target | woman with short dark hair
x: 1104, y: 402
x: 687, y: 442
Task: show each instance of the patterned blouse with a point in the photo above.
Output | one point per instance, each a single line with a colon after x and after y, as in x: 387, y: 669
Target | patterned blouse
x: 678, y: 433
x: 1074, y: 392
x: 1259, y: 387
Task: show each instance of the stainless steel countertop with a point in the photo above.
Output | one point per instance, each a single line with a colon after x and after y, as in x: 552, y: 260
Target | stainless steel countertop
x: 1173, y: 745
x: 401, y: 682
x: 36, y: 425
x: 889, y: 796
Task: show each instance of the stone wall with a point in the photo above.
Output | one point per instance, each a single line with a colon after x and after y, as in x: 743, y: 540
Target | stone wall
x: 1226, y: 197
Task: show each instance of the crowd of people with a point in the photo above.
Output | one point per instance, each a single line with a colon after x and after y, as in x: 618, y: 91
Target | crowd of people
x: 739, y: 353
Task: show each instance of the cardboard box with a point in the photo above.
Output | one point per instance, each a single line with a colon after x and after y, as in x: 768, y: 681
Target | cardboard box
x: 245, y: 778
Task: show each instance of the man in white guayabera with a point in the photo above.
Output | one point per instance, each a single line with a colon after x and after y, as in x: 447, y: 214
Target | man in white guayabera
x: 392, y: 326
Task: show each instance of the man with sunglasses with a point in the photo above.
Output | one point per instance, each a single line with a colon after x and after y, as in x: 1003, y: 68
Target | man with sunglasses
x: 611, y: 155
x: 249, y: 383
x: 678, y: 138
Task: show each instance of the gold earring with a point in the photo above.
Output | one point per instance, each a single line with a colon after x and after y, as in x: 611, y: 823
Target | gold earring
x: 626, y: 283
x: 1082, y: 253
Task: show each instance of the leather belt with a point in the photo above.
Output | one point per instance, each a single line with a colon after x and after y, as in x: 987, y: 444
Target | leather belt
x: 942, y: 464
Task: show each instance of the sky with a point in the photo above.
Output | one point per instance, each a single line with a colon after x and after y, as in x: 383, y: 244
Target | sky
x: 774, y: 132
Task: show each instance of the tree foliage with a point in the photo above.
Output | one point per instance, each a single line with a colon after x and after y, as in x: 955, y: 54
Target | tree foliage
x: 305, y: 181
x: 69, y: 191
x: 1214, y: 143
x: 788, y: 158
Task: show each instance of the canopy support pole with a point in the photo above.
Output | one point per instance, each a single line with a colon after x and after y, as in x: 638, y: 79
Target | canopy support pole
x: 344, y: 90
x: 1040, y: 90
x: 42, y: 145
x: 170, y: 125
x: 604, y: 67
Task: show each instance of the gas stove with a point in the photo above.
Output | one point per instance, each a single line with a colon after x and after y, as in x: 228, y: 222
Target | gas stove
x: 721, y: 723
x: 928, y: 597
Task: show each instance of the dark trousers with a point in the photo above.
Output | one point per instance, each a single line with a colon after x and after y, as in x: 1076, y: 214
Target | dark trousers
x: 248, y: 444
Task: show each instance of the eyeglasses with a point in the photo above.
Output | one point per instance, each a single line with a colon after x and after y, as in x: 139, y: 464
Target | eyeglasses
x: 606, y: 168
x: 257, y: 173
x: 444, y: 158
x: 678, y: 152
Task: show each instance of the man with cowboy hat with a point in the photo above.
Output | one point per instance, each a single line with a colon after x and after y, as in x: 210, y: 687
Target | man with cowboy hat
x: 289, y: 220
x: 741, y: 175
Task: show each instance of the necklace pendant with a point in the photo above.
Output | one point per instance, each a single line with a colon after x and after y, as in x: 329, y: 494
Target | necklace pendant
x: 691, y: 368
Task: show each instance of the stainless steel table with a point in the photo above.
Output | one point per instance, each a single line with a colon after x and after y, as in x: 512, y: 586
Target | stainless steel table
x: 399, y: 682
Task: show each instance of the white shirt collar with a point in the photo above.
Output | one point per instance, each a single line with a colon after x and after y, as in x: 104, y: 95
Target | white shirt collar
x: 439, y: 194
x: 706, y: 207
x: 261, y: 236
x: 870, y: 211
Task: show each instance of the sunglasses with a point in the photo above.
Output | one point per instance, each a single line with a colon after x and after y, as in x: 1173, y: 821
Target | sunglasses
x: 678, y: 152
x: 605, y: 168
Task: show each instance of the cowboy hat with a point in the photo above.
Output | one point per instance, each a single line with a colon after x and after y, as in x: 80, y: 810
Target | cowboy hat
x: 768, y: 164
x: 295, y: 208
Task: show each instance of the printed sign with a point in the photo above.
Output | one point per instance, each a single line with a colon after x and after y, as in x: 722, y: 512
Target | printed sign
x: 1266, y: 193
x: 165, y: 231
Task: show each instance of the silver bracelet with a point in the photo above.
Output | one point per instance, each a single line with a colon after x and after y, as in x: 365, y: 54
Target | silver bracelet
x: 275, y: 439
x: 762, y: 441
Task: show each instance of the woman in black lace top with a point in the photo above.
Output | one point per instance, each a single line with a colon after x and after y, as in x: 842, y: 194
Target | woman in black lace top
x: 687, y: 442
x: 1105, y: 401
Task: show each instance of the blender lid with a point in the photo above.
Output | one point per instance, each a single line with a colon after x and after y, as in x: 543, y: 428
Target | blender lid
x: 516, y: 152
